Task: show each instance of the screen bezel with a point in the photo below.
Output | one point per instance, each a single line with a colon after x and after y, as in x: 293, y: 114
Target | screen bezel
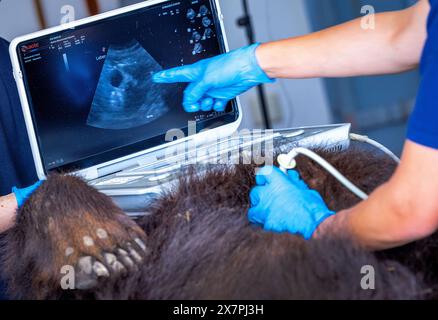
x: 89, y: 167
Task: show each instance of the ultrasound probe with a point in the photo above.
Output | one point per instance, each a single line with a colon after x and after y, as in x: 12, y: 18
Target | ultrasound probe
x: 288, y: 162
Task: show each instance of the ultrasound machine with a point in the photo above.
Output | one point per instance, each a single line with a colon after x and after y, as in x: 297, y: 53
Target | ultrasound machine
x: 92, y: 109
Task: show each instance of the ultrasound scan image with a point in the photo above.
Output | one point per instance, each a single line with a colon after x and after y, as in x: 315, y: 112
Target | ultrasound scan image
x: 126, y: 97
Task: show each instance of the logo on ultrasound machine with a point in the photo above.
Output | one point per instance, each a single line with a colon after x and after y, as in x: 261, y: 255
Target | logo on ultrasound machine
x: 30, y: 47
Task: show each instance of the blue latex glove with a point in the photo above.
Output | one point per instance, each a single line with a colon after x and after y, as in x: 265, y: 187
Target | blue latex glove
x: 284, y: 203
x: 215, y: 81
x: 23, y: 194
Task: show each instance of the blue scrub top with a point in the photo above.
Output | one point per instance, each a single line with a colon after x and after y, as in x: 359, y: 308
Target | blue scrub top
x: 16, y: 164
x: 423, y: 125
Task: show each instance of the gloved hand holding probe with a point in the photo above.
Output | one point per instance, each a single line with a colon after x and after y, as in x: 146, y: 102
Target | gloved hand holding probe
x: 284, y: 203
x: 215, y: 81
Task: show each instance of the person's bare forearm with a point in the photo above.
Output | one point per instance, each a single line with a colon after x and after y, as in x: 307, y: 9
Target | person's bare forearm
x: 395, y: 45
x: 8, y: 208
x: 374, y: 224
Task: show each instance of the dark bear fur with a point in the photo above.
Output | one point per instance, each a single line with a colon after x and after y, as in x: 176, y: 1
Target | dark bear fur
x: 199, y: 243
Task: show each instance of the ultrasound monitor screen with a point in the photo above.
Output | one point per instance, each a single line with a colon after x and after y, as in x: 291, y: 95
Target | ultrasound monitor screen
x: 90, y: 90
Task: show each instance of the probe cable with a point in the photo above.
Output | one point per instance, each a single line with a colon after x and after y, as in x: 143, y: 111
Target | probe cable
x: 288, y: 162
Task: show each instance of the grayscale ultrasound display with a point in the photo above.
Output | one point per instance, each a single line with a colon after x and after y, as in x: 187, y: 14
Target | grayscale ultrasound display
x: 90, y: 90
x: 126, y: 97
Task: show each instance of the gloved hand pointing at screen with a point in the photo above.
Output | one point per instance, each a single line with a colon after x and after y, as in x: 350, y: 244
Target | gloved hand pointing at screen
x: 215, y: 81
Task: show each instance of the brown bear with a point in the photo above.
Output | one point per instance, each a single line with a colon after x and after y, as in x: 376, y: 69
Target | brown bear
x: 195, y: 242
